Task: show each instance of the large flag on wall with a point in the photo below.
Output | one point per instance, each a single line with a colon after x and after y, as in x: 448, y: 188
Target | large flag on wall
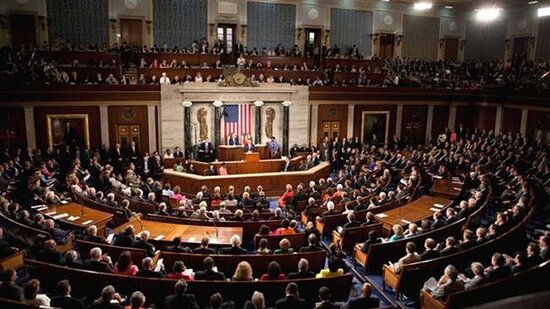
x: 237, y: 119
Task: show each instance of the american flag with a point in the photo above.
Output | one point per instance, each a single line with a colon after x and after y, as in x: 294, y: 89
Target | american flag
x: 238, y: 120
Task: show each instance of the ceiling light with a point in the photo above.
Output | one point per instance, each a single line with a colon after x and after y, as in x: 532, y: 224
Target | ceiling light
x: 532, y: 2
x: 450, y: 7
x: 422, y: 6
x: 488, y: 14
x: 544, y: 11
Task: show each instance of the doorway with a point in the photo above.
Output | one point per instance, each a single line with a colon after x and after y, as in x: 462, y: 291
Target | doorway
x: 23, y: 30
x: 312, y: 39
x: 386, y: 47
x: 125, y: 134
x: 451, y: 49
x: 131, y: 31
x: 331, y: 129
x: 520, y: 48
x: 227, y: 34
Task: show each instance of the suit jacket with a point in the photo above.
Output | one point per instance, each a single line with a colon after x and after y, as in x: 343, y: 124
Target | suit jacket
x: 67, y: 302
x: 233, y: 141
x: 407, y: 259
x: 442, y: 291
x: 475, y: 281
x: 97, y: 266
x: 232, y: 250
x: 429, y: 254
x: 149, y: 274
x: 327, y: 305
x: 363, y: 303
x: 200, y: 250
x: 287, y: 168
x: 181, y: 301
x: 301, y: 275
x: 50, y: 256
x: 144, y: 245
x: 310, y: 248
x: 209, y: 275
x: 290, y: 302
x: 123, y: 240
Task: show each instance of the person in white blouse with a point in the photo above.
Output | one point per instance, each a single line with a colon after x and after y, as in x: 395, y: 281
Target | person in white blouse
x: 32, y: 297
x: 164, y: 79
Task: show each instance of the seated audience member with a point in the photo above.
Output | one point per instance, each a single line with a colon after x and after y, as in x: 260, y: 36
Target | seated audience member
x: 126, y: 238
x: 333, y: 269
x: 243, y: 272
x: 125, y: 265
x: 324, y: 297
x: 142, y: 243
x: 203, y: 248
x: 98, y: 261
x: 397, y: 233
x: 478, y: 279
x: 412, y: 230
x: 303, y: 271
x: 60, y: 236
x: 285, y: 228
x: 178, y: 272
x: 498, y: 269
x: 147, y: 269
x: 364, y: 301
x: 330, y: 211
x: 71, y: 259
x: 257, y: 301
x: 447, y: 284
x: 8, y: 287
x: 533, y: 255
x: 238, y: 216
x: 373, y: 239
x: 468, y: 240
x: 450, y: 246
x: 109, y: 299
x: 312, y: 244
x: 235, y: 248
x: 544, y: 243
x: 273, y: 272
x: 31, y: 296
x: 291, y: 299
x: 262, y: 247
x: 137, y: 300
x: 91, y: 235
x: 178, y: 246
x: 216, y: 302
x: 286, y: 198
x: 284, y: 247
x: 410, y: 257
x: 180, y: 299
x: 481, y: 232
x: 429, y: 252
x: 64, y: 298
x: 49, y: 253
x: 209, y: 273
x: 437, y: 221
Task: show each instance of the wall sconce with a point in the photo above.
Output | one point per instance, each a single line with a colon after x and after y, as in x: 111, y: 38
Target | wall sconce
x: 441, y: 43
x: 148, y: 22
x: 211, y: 29
x: 243, y: 30
x: 217, y: 103
x: 286, y: 103
x: 507, y: 43
x: 186, y: 103
x: 399, y: 38
x: 327, y: 34
x: 462, y: 44
x: 374, y: 37
x: 258, y: 103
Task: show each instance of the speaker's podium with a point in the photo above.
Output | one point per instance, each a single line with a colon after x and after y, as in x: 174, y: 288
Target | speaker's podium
x: 250, y: 157
x: 237, y: 153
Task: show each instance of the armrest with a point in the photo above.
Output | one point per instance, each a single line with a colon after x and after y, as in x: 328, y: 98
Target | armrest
x: 336, y: 236
x: 320, y: 226
x: 15, y: 261
x: 427, y: 301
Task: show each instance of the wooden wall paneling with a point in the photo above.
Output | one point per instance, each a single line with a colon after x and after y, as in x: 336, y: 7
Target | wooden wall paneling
x: 41, y: 124
x: 511, y: 120
x: 440, y: 119
x: 473, y: 116
x: 413, y: 125
x: 13, y: 132
x: 130, y: 116
x: 359, y: 109
x: 332, y: 114
x: 538, y: 121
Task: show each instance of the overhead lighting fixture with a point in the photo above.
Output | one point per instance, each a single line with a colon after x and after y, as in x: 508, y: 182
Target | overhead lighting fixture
x: 544, y: 11
x: 532, y: 2
x: 489, y: 14
x: 450, y: 7
x: 422, y: 6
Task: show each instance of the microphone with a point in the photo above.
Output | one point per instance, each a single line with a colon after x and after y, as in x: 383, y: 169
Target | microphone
x: 138, y: 218
x: 215, y: 228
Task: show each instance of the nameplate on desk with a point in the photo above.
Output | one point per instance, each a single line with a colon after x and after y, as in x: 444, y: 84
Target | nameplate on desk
x: 51, y: 213
x: 71, y: 218
x: 64, y: 202
x: 38, y: 206
x: 437, y: 177
x: 435, y: 209
x: 61, y: 216
x: 159, y: 237
x: 458, y: 189
x: 87, y: 222
x: 191, y: 239
x: 42, y: 208
x: 439, y: 205
x: 405, y: 221
x: 381, y: 215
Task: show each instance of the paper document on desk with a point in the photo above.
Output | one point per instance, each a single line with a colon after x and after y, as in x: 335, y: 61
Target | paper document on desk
x: 51, y: 213
x: 381, y: 215
x: 405, y: 221
x: 437, y: 177
x: 110, y: 238
x: 43, y: 208
x: 159, y: 237
x: 71, y: 218
x: 86, y: 222
x: 439, y: 205
x: 38, y: 206
x: 64, y: 202
x: 435, y: 209
x: 430, y: 284
x: 456, y: 179
x: 160, y: 263
x: 457, y: 189
x: 458, y: 183
x: 61, y: 216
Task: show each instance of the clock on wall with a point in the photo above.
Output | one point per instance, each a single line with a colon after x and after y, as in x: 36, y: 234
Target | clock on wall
x: 313, y: 14
x: 130, y: 4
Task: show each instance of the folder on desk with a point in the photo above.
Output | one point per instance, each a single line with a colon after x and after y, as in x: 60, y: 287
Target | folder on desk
x: 435, y: 209
x: 38, y: 206
x: 87, y: 222
x: 64, y: 202
x: 381, y: 215
x: 110, y: 238
x: 405, y: 221
x: 192, y: 239
x: 61, y: 216
x: 439, y: 205
x: 51, y: 213
x: 71, y: 218
x: 458, y: 189
x: 159, y: 237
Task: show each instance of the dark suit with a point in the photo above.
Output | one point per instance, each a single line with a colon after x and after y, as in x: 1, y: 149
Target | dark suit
x: 310, y: 248
x: 144, y: 245
x: 175, y: 301
x: 327, y: 305
x: 206, y: 151
x: 97, y: 266
x: 11, y: 291
x: 290, y: 302
x: 301, y: 275
x: 149, y: 274
x: 50, y: 256
x: 363, y: 303
x: 204, y: 251
x: 232, y: 250
x: 66, y: 302
x: 429, y: 254
x: 249, y: 147
x: 209, y: 275
x: 287, y: 168
x: 123, y: 240
x: 233, y: 141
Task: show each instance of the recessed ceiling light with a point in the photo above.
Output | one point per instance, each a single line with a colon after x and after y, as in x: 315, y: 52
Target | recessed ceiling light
x: 450, y: 7
x: 422, y: 5
x: 532, y: 2
x: 488, y: 14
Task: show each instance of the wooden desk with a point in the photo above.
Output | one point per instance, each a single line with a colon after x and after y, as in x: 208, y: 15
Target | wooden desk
x: 273, y: 182
x: 249, y: 166
x: 236, y: 153
x: 85, y: 215
x: 191, y: 234
x: 446, y: 188
x: 412, y: 212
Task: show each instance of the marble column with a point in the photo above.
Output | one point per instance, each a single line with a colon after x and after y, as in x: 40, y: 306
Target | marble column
x: 29, y: 123
x: 313, y: 127
x: 452, y: 117
x: 498, y: 118
x: 286, y: 116
x: 523, y: 123
x: 351, y: 110
x: 429, y: 121
x: 104, y: 121
x: 217, y: 126
x: 187, y: 125
x: 398, y: 121
x: 258, y: 122
x: 152, y: 123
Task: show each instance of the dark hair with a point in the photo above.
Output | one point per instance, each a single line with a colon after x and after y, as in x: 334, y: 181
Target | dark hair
x: 333, y: 264
x: 216, y: 300
x: 208, y: 262
x: 273, y: 270
x: 63, y: 287
x: 264, y: 230
x: 292, y: 288
x: 176, y: 241
x: 285, y: 223
x: 124, y: 261
x: 178, y: 267
x: 263, y: 243
x: 324, y: 293
x: 410, y: 246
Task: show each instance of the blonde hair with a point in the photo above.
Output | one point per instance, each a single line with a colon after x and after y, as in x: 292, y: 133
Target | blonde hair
x: 243, y: 272
x: 398, y: 230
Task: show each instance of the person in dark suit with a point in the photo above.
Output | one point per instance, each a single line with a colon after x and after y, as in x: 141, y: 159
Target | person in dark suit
x: 430, y: 252
x: 178, y: 153
x: 203, y: 249
x: 147, y: 269
x: 109, y: 299
x: 450, y: 246
x: 287, y: 167
x: 126, y: 238
x: 64, y: 299
x: 60, y: 236
x: 132, y: 153
x: 178, y: 247
x: 312, y: 244
x: 49, y: 253
x: 233, y: 140
x: 180, y: 299
x: 499, y: 269
x: 373, y: 239
x: 364, y: 301
x: 291, y: 300
x: 206, y: 151
x: 235, y: 247
x: 9, y: 288
x: 438, y: 221
x: 324, y: 296
x: 208, y: 273
x: 98, y: 261
x: 303, y: 271
x: 210, y: 171
x: 91, y: 235
x: 116, y: 158
x: 249, y: 147
x: 142, y: 243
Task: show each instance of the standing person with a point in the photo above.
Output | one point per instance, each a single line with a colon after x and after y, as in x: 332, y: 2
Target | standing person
x: 274, y: 148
